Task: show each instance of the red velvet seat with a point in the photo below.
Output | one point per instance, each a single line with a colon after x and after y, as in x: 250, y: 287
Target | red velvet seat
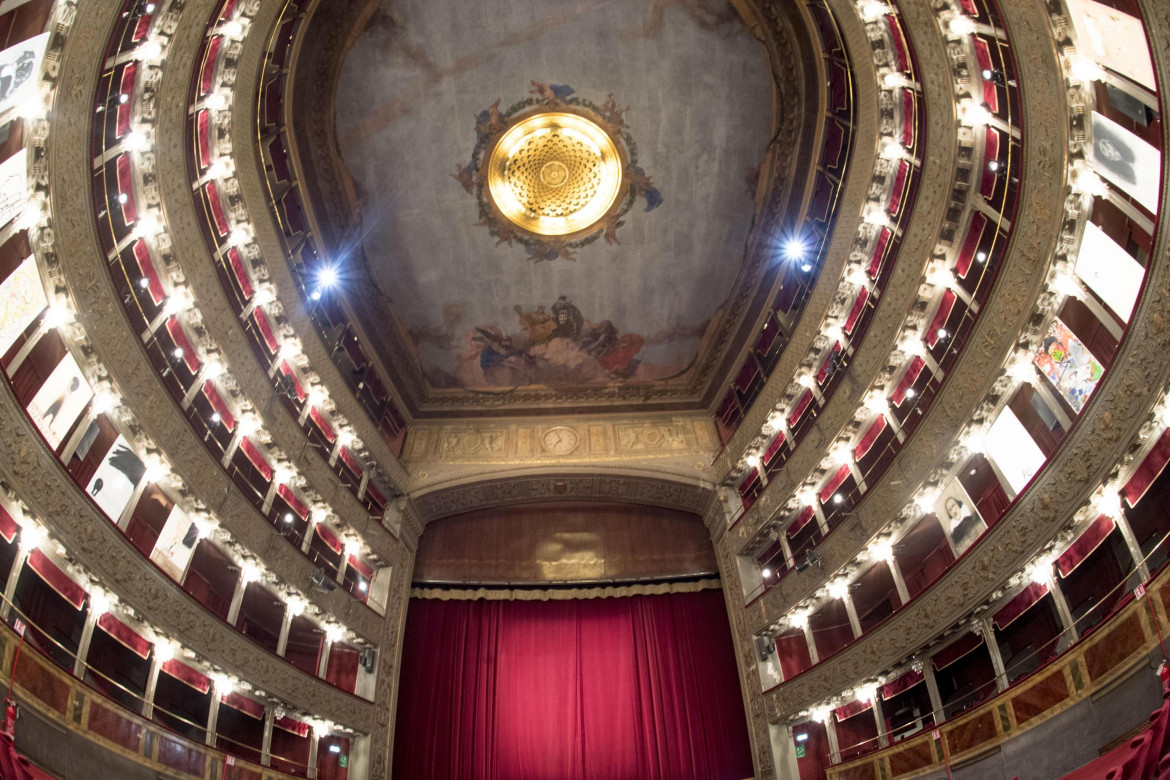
x: 970, y: 245
x: 219, y: 218
x: 125, y: 87
x: 940, y: 317
x: 908, y: 380
x: 146, y: 268
x: 207, y: 72
x: 990, y: 153
x: 126, y: 189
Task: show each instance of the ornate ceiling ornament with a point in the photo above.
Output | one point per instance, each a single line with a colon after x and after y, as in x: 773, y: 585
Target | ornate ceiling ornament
x: 555, y: 172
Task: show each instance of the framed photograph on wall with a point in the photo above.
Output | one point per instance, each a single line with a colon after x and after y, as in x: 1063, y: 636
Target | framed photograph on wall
x: 1069, y: 365
x: 959, y: 518
x: 60, y: 400
x: 113, y: 483
x: 22, y: 298
x: 176, y: 544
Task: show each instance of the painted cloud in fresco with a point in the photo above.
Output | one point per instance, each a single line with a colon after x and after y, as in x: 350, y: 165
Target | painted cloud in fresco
x: 556, y: 345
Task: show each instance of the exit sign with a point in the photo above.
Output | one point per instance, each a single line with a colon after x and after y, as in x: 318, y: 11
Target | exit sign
x: 800, y: 751
x: 343, y: 760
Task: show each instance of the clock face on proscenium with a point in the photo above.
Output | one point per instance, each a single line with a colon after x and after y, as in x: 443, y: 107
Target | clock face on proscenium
x: 560, y: 441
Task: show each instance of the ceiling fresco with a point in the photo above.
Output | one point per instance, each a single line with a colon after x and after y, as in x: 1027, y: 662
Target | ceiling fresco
x: 684, y: 91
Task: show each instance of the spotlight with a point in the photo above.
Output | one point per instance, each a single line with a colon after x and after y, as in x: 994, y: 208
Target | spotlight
x: 288, y: 518
x: 327, y: 277
x: 993, y: 166
x: 943, y: 334
x: 794, y: 248
x: 767, y: 573
x: 838, y: 498
x: 980, y: 257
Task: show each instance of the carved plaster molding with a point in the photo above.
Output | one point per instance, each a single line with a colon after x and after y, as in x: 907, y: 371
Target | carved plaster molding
x: 82, y: 268
x: 529, y: 488
x: 42, y: 483
x: 1006, y: 313
x: 190, y: 254
x: 1116, y: 413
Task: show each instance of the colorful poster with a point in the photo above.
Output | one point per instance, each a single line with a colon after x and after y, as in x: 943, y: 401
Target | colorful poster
x: 22, y: 298
x: 13, y: 186
x: 20, y: 70
x: 1069, y: 365
x: 60, y: 401
x: 176, y: 544
x: 1108, y: 270
x: 1113, y: 39
x: 1128, y: 162
x: 959, y: 518
x: 113, y: 483
x: 1014, y: 450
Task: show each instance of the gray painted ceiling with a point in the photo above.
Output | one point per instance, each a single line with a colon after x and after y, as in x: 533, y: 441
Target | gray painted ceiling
x: 699, y: 92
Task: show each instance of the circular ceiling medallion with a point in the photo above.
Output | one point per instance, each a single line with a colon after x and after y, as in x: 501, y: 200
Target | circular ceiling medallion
x: 554, y: 173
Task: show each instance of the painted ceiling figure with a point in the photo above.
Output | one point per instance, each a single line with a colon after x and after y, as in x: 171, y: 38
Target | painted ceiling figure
x: 568, y: 318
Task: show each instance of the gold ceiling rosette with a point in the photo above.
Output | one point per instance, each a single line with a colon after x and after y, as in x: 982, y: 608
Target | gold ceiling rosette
x: 555, y: 172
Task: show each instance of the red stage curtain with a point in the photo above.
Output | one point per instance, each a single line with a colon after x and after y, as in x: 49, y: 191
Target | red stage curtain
x: 636, y: 687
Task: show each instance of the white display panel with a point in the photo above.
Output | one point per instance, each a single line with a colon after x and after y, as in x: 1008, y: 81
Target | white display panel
x: 959, y: 518
x: 22, y: 298
x: 1109, y: 271
x: 1113, y: 39
x: 1127, y: 162
x: 176, y: 544
x: 113, y: 483
x: 20, y: 70
x: 60, y: 400
x: 13, y: 186
x: 1013, y: 450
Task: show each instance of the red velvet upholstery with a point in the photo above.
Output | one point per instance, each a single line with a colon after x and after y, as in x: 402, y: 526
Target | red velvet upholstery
x: 800, y: 408
x: 218, y: 215
x: 146, y: 267
x: 203, y: 137
x: 879, y: 253
x: 908, y: 380
x: 56, y: 579
x: 1146, y: 473
x: 126, y: 187
x: 207, y: 73
x: 126, y: 87
x: 869, y: 437
x: 213, y: 398
x: 941, y: 314
x: 643, y: 686
x: 970, y: 246
x: 899, y: 188
x: 856, y: 310
x: 1020, y: 604
x: 990, y: 153
x: 1085, y: 544
x: 179, y: 336
x: 256, y: 457
x: 126, y: 636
